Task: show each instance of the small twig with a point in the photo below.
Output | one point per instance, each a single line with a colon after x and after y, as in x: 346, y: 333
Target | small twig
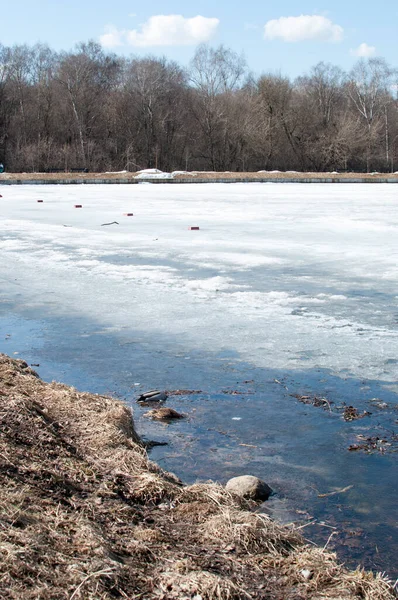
x: 330, y: 537
x: 325, y: 525
x: 307, y: 524
x: 349, y: 487
x: 113, y: 223
x: 280, y: 383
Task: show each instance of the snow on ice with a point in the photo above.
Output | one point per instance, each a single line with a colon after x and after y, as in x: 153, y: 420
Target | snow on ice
x: 276, y: 273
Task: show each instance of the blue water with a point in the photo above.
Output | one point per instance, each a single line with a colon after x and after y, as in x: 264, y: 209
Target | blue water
x: 301, y: 451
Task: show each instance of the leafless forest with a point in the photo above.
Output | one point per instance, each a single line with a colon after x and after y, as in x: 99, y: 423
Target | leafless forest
x: 88, y: 109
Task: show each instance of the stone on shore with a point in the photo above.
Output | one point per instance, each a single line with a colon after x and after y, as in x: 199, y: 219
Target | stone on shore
x: 248, y: 486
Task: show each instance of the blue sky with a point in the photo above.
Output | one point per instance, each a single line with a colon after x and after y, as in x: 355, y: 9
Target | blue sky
x: 287, y: 36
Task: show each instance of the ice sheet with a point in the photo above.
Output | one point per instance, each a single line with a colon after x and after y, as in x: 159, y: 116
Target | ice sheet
x: 283, y: 275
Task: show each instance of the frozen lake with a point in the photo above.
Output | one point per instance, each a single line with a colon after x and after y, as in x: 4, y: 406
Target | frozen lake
x: 286, y: 289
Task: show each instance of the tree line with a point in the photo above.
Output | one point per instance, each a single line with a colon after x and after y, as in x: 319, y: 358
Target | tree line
x: 90, y: 109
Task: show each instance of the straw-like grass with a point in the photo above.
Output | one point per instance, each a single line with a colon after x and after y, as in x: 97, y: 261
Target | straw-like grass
x: 252, y: 533
x: 199, y: 584
x: 85, y: 515
x: 202, y: 175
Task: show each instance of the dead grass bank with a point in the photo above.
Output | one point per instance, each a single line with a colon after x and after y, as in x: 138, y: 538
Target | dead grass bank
x: 125, y: 176
x: 86, y: 515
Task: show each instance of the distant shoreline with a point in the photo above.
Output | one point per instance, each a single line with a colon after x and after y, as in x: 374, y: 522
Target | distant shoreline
x: 194, y: 177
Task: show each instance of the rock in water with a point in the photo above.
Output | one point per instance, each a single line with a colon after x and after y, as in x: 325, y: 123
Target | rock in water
x: 164, y: 414
x: 248, y: 486
x: 153, y: 396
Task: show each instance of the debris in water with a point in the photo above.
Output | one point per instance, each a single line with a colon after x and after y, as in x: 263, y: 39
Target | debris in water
x: 372, y: 444
x: 164, y: 414
x: 153, y: 396
x: 379, y: 403
x: 281, y: 383
x: 314, y: 401
x: 182, y: 392
x: 153, y: 444
x: 352, y: 414
x: 342, y: 491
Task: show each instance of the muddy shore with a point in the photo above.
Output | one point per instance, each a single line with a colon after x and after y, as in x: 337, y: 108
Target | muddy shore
x: 86, y: 514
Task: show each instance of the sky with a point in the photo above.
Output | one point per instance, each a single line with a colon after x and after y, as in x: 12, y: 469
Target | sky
x: 288, y: 36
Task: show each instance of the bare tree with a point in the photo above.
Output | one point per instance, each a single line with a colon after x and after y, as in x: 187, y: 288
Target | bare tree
x: 324, y: 89
x: 5, y: 100
x: 153, y: 110
x: 275, y: 93
x: 368, y: 87
x: 86, y: 78
x: 20, y: 66
x: 215, y: 74
x: 323, y: 109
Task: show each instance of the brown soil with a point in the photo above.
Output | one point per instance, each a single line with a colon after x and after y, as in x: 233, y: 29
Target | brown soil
x: 86, y: 515
x: 209, y: 175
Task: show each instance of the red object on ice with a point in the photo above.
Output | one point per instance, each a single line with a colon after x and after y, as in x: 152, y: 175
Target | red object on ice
x: 78, y: 206
x: 194, y: 228
x: 40, y: 200
x: 128, y: 214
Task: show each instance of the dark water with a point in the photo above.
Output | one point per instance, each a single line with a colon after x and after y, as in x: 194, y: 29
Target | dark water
x: 244, y: 421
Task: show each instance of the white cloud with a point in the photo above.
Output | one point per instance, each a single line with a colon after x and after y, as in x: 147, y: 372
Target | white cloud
x: 164, y: 30
x: 304, y: 27
x: 173, y: 30
x: 364, y: 51
x: 112, y: 38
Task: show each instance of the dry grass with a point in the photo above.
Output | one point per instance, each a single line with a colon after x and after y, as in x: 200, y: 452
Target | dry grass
x: 251, y: 533
x: 317, y: 573
x: 202, y: 584
x: 86, y: 515
x: 209, y: 175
